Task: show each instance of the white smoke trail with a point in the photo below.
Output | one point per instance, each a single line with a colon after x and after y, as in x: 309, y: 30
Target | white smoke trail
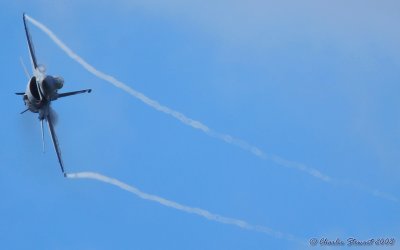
x: 181, y: 117
x: 193, y: 123
x: 172, y: 204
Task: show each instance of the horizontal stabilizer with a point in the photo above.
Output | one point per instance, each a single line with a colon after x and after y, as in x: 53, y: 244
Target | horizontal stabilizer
x: 24, y: 111
x: 74, y: 93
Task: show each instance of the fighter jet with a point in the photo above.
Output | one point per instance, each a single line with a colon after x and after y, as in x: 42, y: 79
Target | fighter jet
x: 41, y: 90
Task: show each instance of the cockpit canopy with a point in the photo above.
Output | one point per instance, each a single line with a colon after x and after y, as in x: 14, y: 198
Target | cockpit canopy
x: 33, y: 89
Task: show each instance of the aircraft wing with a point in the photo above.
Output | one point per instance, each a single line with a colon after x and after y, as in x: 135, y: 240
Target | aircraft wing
x: 30, y: 45
x: 55, y: 141
x: 33, y: 56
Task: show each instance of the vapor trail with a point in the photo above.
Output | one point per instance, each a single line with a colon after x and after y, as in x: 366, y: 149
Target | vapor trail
x: 172, y: 204
x: 177, y: 115
x: 198, y: 125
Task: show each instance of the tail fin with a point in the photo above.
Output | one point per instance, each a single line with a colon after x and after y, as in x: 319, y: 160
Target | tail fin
x: 24, y: 68
x: 41, y: 126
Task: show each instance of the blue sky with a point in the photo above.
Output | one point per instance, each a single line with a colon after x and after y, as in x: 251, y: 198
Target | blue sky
x: 312, y: 82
